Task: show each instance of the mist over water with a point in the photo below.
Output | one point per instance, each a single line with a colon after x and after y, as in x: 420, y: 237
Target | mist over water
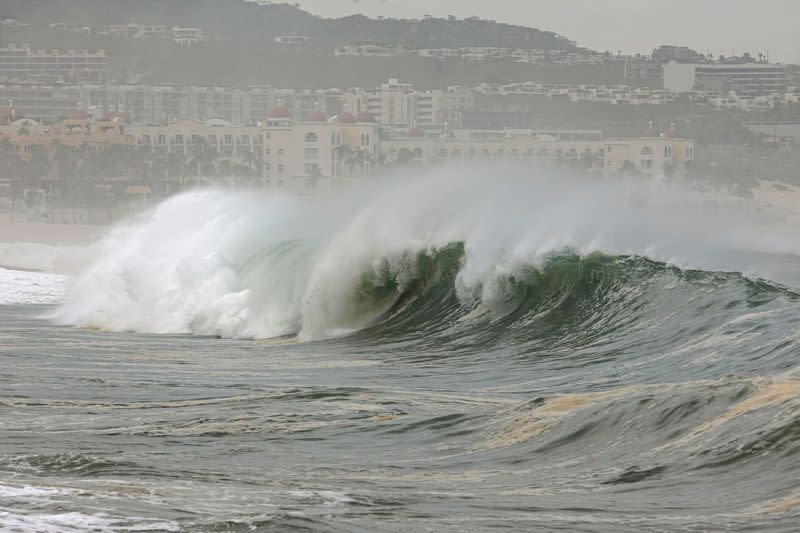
x: 467, y: 349
x: 239, y: 264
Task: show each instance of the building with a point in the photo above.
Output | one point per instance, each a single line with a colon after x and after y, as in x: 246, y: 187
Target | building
x: 396, y: 104
x: 312, y: 154
x: 157, y: 104
x: 291, y: 41
x: 777, y: 132
x: 649, y: 156
x: 71, y: 28
x: 25, y: 133
x: 747, y: 79
x: 25, y: 63
x: 186, y: 36
x: 370, y: 49
x: 482, y: 54
x: 316, y: 153
x: 584, y: 150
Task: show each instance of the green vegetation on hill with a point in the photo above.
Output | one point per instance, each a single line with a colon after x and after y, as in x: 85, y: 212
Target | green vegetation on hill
x: 242, y: 50
x: 256, y: 22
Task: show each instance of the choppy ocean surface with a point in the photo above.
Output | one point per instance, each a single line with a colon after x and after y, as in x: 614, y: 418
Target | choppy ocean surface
x: 431, y: 356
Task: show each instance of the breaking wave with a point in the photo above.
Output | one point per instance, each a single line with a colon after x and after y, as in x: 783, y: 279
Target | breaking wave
x: 436, y: 254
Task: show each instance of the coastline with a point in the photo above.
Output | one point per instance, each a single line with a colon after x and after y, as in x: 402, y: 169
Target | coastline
x: 45, y: 233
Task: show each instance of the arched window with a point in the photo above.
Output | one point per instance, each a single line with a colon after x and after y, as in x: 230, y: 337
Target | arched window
x: 333, y: 138
x: 367, y: 143
x: 646, y: 150
x: 311, y: 137
x: 280, y: 151
x: 338, y: 138
x: 362, y: 140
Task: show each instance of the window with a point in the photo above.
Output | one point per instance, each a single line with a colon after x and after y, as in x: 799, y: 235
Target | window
x: 228, y: 138
x: 312, y: 169
x: 162, y: 138
x: 443, y: 152
x: 178, y: 139
x: 646, y: 150
x: 259, y: 139
x: 244, y: 139
x: 212, y: 139
x: 312, y: 153
x: 646, y: 164
x: 333, y: 138
x: 280, y: 168
x: 280, y: 152
x: 312, y: 137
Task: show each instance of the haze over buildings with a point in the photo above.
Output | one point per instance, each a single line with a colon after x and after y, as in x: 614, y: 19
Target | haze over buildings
x: 147, y: 101
x: 719, y: 26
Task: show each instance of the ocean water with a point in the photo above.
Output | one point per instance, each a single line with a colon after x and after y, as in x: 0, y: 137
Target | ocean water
x: 444, y: 353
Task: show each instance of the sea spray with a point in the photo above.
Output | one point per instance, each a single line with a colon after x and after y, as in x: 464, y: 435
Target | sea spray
x: 252, y: 264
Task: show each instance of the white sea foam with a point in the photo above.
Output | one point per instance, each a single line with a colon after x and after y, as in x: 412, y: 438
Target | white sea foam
x: 75, y: 521
x: 10, y: 492
x: 21, y: 287
x: 259, y: 265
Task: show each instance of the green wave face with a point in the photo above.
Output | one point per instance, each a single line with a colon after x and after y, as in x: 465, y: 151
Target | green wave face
x: 567, y: 300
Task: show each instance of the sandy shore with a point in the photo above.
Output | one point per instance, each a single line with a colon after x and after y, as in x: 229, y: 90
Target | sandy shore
x: 54, y: 234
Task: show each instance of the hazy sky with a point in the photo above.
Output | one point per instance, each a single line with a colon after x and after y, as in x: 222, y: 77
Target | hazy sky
x: 721, y: 26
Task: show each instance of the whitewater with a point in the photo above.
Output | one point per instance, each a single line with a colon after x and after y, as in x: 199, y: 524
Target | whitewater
x: 462, y: 349
x: 251, y: 265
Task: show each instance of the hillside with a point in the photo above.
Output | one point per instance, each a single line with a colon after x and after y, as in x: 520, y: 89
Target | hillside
x: 258, y: 22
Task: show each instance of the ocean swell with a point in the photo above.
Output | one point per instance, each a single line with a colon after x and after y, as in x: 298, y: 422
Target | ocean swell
x: 427, y: 252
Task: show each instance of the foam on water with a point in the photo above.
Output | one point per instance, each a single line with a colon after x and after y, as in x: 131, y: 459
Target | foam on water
x: 24, y: 287
x: 258, y: 265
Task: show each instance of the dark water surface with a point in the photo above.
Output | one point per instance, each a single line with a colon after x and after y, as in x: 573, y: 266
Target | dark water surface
x: 645, y: 398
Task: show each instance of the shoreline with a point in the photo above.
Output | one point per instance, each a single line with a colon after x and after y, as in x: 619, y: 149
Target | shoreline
x: 21, y: 269
x: 46, y: 233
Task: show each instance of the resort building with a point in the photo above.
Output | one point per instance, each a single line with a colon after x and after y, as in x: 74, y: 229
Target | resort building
x: 25, y: 63
x: 587, y: 151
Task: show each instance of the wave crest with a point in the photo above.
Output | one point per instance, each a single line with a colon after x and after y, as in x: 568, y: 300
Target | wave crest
x: 423, y: 253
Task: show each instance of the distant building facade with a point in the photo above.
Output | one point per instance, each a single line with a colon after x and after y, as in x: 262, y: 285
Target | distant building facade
x: 399, y: 105
x: 586, y: 150
x: 747, y: 79
x: 26, y: 63
x: 156, y: 104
